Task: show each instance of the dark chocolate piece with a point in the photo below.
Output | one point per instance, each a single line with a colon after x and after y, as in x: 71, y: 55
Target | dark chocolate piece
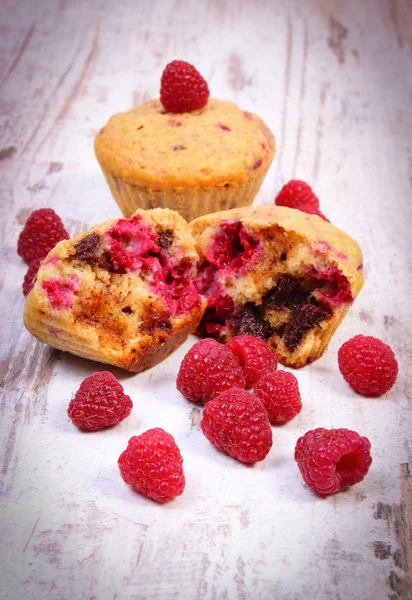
x: 288, y: 293
x: 303, y: 319
x: 252, y: 323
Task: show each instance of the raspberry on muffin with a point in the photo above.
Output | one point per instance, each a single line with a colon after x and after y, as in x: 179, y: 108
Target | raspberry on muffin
x: 121, y: 293
x: 182, y: 88
x: 276, y: 273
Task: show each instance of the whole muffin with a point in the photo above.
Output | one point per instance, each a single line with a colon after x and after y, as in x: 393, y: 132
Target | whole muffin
x: 206, y: 160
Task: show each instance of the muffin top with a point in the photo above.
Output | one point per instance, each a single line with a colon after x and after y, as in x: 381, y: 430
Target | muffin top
x: 213, y: 146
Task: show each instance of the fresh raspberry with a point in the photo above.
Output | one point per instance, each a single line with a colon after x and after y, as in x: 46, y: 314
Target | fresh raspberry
x: 331, y: 460
x: 31, y: 276
x: 236, y: 423
x: 42, y: 231
x: 99, y: 402
x: 297, y: 194
x: 152, y: 465
x: 368, y: 365
x: 182, y: 88
x: 279, y: 393
x: 254, y: 356
x: 208, y: 369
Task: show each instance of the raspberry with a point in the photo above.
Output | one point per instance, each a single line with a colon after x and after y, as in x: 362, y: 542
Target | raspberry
x: 236, y: 423
x: 182, y: 88
x: 42, y: 231
x: 31, y: 276
x: 208, y: 369
x: 99, y: 402
x: 254, y: 356
x: 331, y: 460
x: 368, y: 365
x: 297, y: 194
x: 152, y: 465
x: 279, y: 393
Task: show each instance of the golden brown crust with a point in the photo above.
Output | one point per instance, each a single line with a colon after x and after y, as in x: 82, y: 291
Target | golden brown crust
x: 196, y: 163
x: 213, y: 146
x: 114, y: 318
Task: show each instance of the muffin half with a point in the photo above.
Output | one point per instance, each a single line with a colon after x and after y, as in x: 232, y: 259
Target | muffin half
x: 277, y: 273
x: 121, y: 293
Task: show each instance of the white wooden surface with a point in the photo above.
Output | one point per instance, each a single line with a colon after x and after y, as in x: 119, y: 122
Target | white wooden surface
x: 333, y: 80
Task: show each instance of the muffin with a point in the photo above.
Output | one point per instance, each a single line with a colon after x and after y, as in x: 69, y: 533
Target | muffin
x: 198, y: 162
x: 121, y: 293
x: 277, y: 273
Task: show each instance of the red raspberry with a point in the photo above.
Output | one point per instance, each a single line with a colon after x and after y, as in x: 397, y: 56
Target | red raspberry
x: 279, y: 393
x: 236, y: 423
x: 254, y: 356
x: 332, y: 459
x: 152, y: 465
x: 42, y: 231
x: 182, y: 88
x: 99, y: 402
x: 298, y: 194
x: 208, y: 369
x: 368, y: 365
x: 31, y: 276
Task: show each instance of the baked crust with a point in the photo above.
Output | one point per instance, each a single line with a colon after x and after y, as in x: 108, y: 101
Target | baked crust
x: 211, y: 147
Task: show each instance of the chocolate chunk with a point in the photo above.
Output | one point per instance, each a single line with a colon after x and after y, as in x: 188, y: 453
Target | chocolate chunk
x: 287, y: 294
x: 303, y: 319
x: 88, y: 248
x: 252, y: 323
x: 165, y: 239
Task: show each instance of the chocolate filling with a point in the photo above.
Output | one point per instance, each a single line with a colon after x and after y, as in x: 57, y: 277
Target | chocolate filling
x: 303, y: 319
x: 252, y: 322
x: 306, y: 311
x: 165, y: 239
x: 287, y: 294
x: 89, y: 250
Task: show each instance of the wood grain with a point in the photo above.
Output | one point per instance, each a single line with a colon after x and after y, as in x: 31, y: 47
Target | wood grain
x: 332, y: 80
